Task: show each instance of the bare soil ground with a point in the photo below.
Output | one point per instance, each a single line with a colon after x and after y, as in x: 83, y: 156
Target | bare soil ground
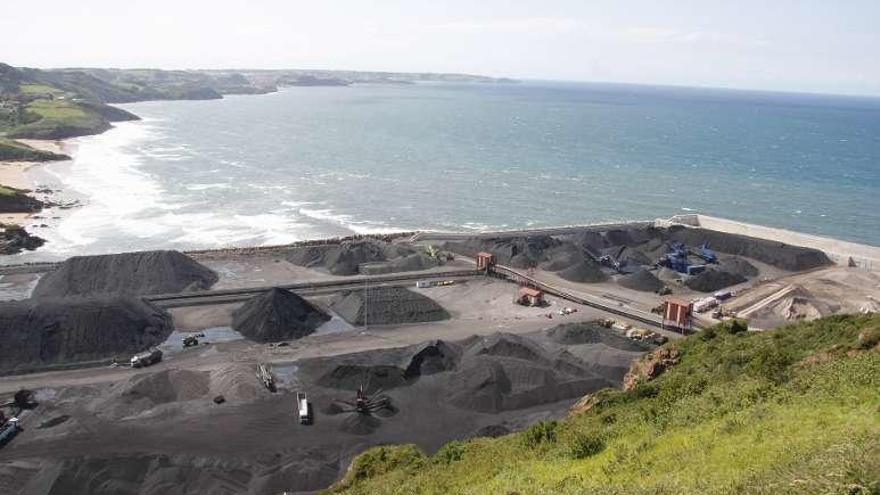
x: 157, y: 430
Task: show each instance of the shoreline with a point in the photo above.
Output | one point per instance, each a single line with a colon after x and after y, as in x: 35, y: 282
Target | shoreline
x: 17, y: 174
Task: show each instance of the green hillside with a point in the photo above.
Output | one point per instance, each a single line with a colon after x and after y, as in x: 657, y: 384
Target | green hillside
x: 790, y: 411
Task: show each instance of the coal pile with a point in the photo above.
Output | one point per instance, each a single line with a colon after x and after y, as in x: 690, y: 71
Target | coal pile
x: 593, y: 333
x: 37, y: 333
x: 780, y: 255
x: 349, y: 257
x: 146, y: 272
x: 499, y: 372
x: 516, y: 252
x: 584, y: 271
x: 277, y: 315
x: 387, y: 306
x: 712, y: 279
x: 504, y: 372
x: 642, y: 280
x: 738, y: 266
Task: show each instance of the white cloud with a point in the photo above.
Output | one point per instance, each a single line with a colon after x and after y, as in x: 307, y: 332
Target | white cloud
x: 653, y: 34
x: 518, y: 25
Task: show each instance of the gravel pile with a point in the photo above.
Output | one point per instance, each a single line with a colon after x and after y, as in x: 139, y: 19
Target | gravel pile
x: 642, y: 280
x: 146, y: 272
x: 277, y: 315
x: 713, y: 279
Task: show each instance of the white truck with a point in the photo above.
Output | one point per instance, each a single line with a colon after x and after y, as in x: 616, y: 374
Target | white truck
x: 303, y: 409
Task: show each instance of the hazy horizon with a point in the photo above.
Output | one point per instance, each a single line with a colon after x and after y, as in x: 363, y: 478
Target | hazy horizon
x: 791, y: 46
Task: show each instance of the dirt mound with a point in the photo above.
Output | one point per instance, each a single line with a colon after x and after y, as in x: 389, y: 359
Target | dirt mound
x: 40, y: 332
x: 642, y: 280
x: 235, y: 382
x: 799, y: 304
x: 713, y: 279
x: 167, y: 386
x: 586, y: 271
x: 780, y: 255
x: 368, y: 256
x: 146, y: 272
x: 387, y: 306
x: 593, y: 333
x: 277, y: 315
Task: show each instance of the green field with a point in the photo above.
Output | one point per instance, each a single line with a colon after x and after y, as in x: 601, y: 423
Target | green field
x: 39, y: 89
x: 57, y: 119
x: 790, y: 411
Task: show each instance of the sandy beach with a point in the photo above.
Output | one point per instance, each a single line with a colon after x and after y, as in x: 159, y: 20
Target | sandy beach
x: 15, y: 173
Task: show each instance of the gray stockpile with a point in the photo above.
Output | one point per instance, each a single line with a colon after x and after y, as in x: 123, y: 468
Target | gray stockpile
x: 368, y: 256
x: 634, y: 249
x: 42, y: 332
x: 277, y: 315
x: 387, y: 306
x: 146, y: 272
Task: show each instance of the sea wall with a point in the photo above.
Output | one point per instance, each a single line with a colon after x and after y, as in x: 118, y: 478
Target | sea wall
x: 840, y: 252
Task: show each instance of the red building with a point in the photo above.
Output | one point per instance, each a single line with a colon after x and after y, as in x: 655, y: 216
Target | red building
x: 485, y: 260
x: 530, y: 297
x: 677, y: 315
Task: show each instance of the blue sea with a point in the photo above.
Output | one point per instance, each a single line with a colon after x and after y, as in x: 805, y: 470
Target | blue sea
x: 311, y: 162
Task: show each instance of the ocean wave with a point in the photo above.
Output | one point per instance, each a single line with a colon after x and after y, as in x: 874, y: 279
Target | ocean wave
x: 106, y: 173
x: 348, y: 222
x: 203, y: 187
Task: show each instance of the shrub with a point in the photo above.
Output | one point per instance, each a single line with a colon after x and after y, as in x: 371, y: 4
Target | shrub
x: 380, y: 460
x: 585, y: 445
x: 449, y: 453
x: 869, y: 338
x: 540, y: 433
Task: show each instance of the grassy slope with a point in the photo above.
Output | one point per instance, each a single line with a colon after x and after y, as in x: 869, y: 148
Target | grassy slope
x: 741, y: 413
x: 14, y: 151
x: 56, y: 119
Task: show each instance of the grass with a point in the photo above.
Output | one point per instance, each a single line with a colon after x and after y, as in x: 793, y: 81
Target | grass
x: 55, y: 119
x: 39, y: 89
x: 794, y: 410
x: 8, y: 191
x: 11, y: 150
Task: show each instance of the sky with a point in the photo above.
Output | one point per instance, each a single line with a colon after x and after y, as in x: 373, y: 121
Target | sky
x: 822, y: 46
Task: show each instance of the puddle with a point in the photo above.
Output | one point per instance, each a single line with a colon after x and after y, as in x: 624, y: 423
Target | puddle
x: 215, y: 335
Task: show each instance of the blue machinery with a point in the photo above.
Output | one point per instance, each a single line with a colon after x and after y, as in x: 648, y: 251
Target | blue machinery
x: 677, y: 258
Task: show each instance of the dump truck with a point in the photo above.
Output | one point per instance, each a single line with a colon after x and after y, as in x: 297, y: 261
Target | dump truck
x: 190, y: 341
x: 303, y: 410
x: 146, y: 358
